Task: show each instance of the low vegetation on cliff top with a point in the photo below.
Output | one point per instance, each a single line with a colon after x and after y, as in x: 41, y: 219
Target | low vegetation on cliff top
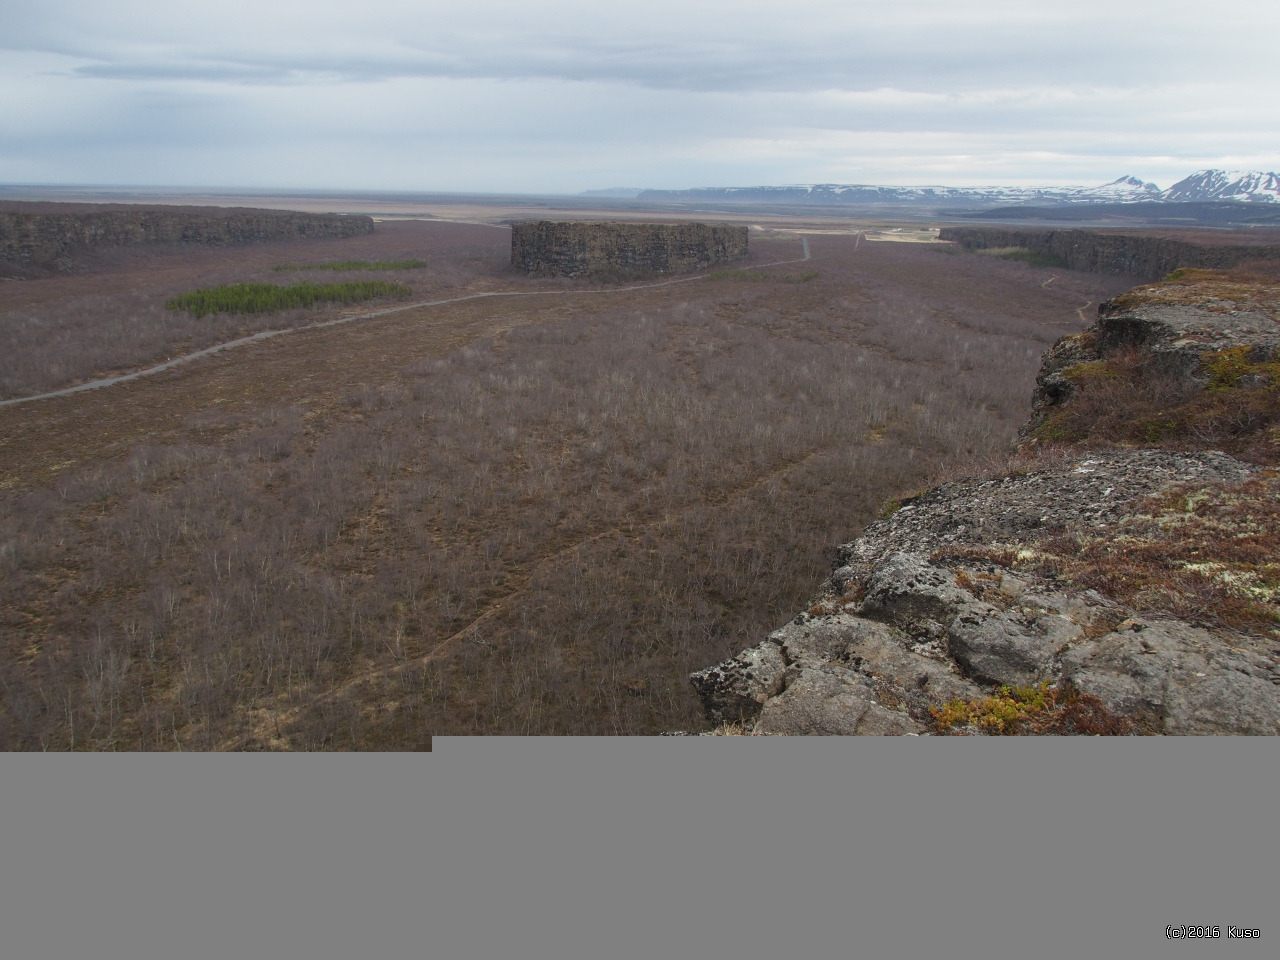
x: 1257, y: 288
x: 1206, y: 555
x: 1129, y: 399
x: 1123, y: 401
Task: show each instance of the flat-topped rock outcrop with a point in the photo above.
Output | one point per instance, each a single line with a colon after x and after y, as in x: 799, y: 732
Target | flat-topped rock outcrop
x: 581, y: 248
x: 50, y: 239
x: 1141, y: 256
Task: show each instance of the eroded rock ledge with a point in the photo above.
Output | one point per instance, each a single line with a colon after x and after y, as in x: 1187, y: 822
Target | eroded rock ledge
x: 1128, y: 589
x: 1198, y: 329
x: 943, y: 601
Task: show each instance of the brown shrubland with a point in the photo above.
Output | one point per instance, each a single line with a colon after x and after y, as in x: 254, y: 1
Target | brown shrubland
x: 539, y: 526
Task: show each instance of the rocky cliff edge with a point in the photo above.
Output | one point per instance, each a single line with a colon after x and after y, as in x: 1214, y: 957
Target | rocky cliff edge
x: 1112, y: 587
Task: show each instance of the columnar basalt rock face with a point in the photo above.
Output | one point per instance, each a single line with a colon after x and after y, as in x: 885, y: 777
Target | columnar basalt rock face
x: 1110, y: 253
x: 573, y: 249
x: 35, y: 239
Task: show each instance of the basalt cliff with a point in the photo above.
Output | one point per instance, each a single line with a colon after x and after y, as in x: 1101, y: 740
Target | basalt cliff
x: 582, y: 248
x: 1122, y: 577
x: 49, y: 236
x: 1138, y: 255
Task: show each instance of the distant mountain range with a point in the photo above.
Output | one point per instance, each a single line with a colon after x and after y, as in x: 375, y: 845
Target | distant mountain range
x: 1226, y: 185
x: 1205, y: 186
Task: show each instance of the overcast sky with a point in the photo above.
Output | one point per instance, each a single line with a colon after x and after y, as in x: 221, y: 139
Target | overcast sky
x: 559, y: 96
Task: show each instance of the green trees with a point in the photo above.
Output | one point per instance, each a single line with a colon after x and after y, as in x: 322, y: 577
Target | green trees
x: 268, y: 298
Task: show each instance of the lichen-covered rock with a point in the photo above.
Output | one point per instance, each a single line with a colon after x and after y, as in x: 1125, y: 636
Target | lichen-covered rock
x: 1091, y: 491
x: 920, y: 614
x: 733, y: 691
x: 1013, y: 649
x: 1179, y: 679
x: 905, y: 587
x: 831, y: 700
x: 1053, y: 387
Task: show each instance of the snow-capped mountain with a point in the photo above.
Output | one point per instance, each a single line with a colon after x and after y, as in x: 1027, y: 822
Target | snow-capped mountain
x: 1211, y: 185
x: 1205, y: 186
x: 1123, y: 190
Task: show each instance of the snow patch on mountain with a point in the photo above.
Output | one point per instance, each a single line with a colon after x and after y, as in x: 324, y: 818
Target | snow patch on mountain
x: 1239, y: 185
x: 1204, y: 186
x: 1123, y: 190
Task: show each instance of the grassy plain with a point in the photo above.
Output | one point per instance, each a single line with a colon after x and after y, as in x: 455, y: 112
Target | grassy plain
x: 518, y: 515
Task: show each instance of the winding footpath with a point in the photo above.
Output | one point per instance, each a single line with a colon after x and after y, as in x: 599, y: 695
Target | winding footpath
x: 267, y: 334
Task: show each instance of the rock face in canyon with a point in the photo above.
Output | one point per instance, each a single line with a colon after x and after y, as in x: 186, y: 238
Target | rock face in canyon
x: 573, y: 249
x: 46, y: 239
x: 1109, y: 590
x: 1197, y: 330
x: 1141, y: 256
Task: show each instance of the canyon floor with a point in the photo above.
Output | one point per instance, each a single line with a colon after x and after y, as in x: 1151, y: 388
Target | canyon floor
x: 531, y: 514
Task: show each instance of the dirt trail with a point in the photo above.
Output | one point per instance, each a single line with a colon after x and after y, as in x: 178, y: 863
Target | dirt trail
x: 316, y: 369
x: 399, y: 308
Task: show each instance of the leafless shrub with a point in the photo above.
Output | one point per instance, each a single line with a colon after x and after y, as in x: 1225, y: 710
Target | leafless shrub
x: 541, y: 532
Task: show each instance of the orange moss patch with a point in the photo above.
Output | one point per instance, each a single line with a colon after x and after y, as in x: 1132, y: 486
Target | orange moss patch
x: 1041, y: 710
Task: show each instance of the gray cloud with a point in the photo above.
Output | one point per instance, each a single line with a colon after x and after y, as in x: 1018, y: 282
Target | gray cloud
x: 930, y: 61
x: 741, y: 46
x: 567, y: 95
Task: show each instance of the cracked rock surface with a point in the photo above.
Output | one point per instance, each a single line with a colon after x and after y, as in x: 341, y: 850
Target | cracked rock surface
x: 909, y: 622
